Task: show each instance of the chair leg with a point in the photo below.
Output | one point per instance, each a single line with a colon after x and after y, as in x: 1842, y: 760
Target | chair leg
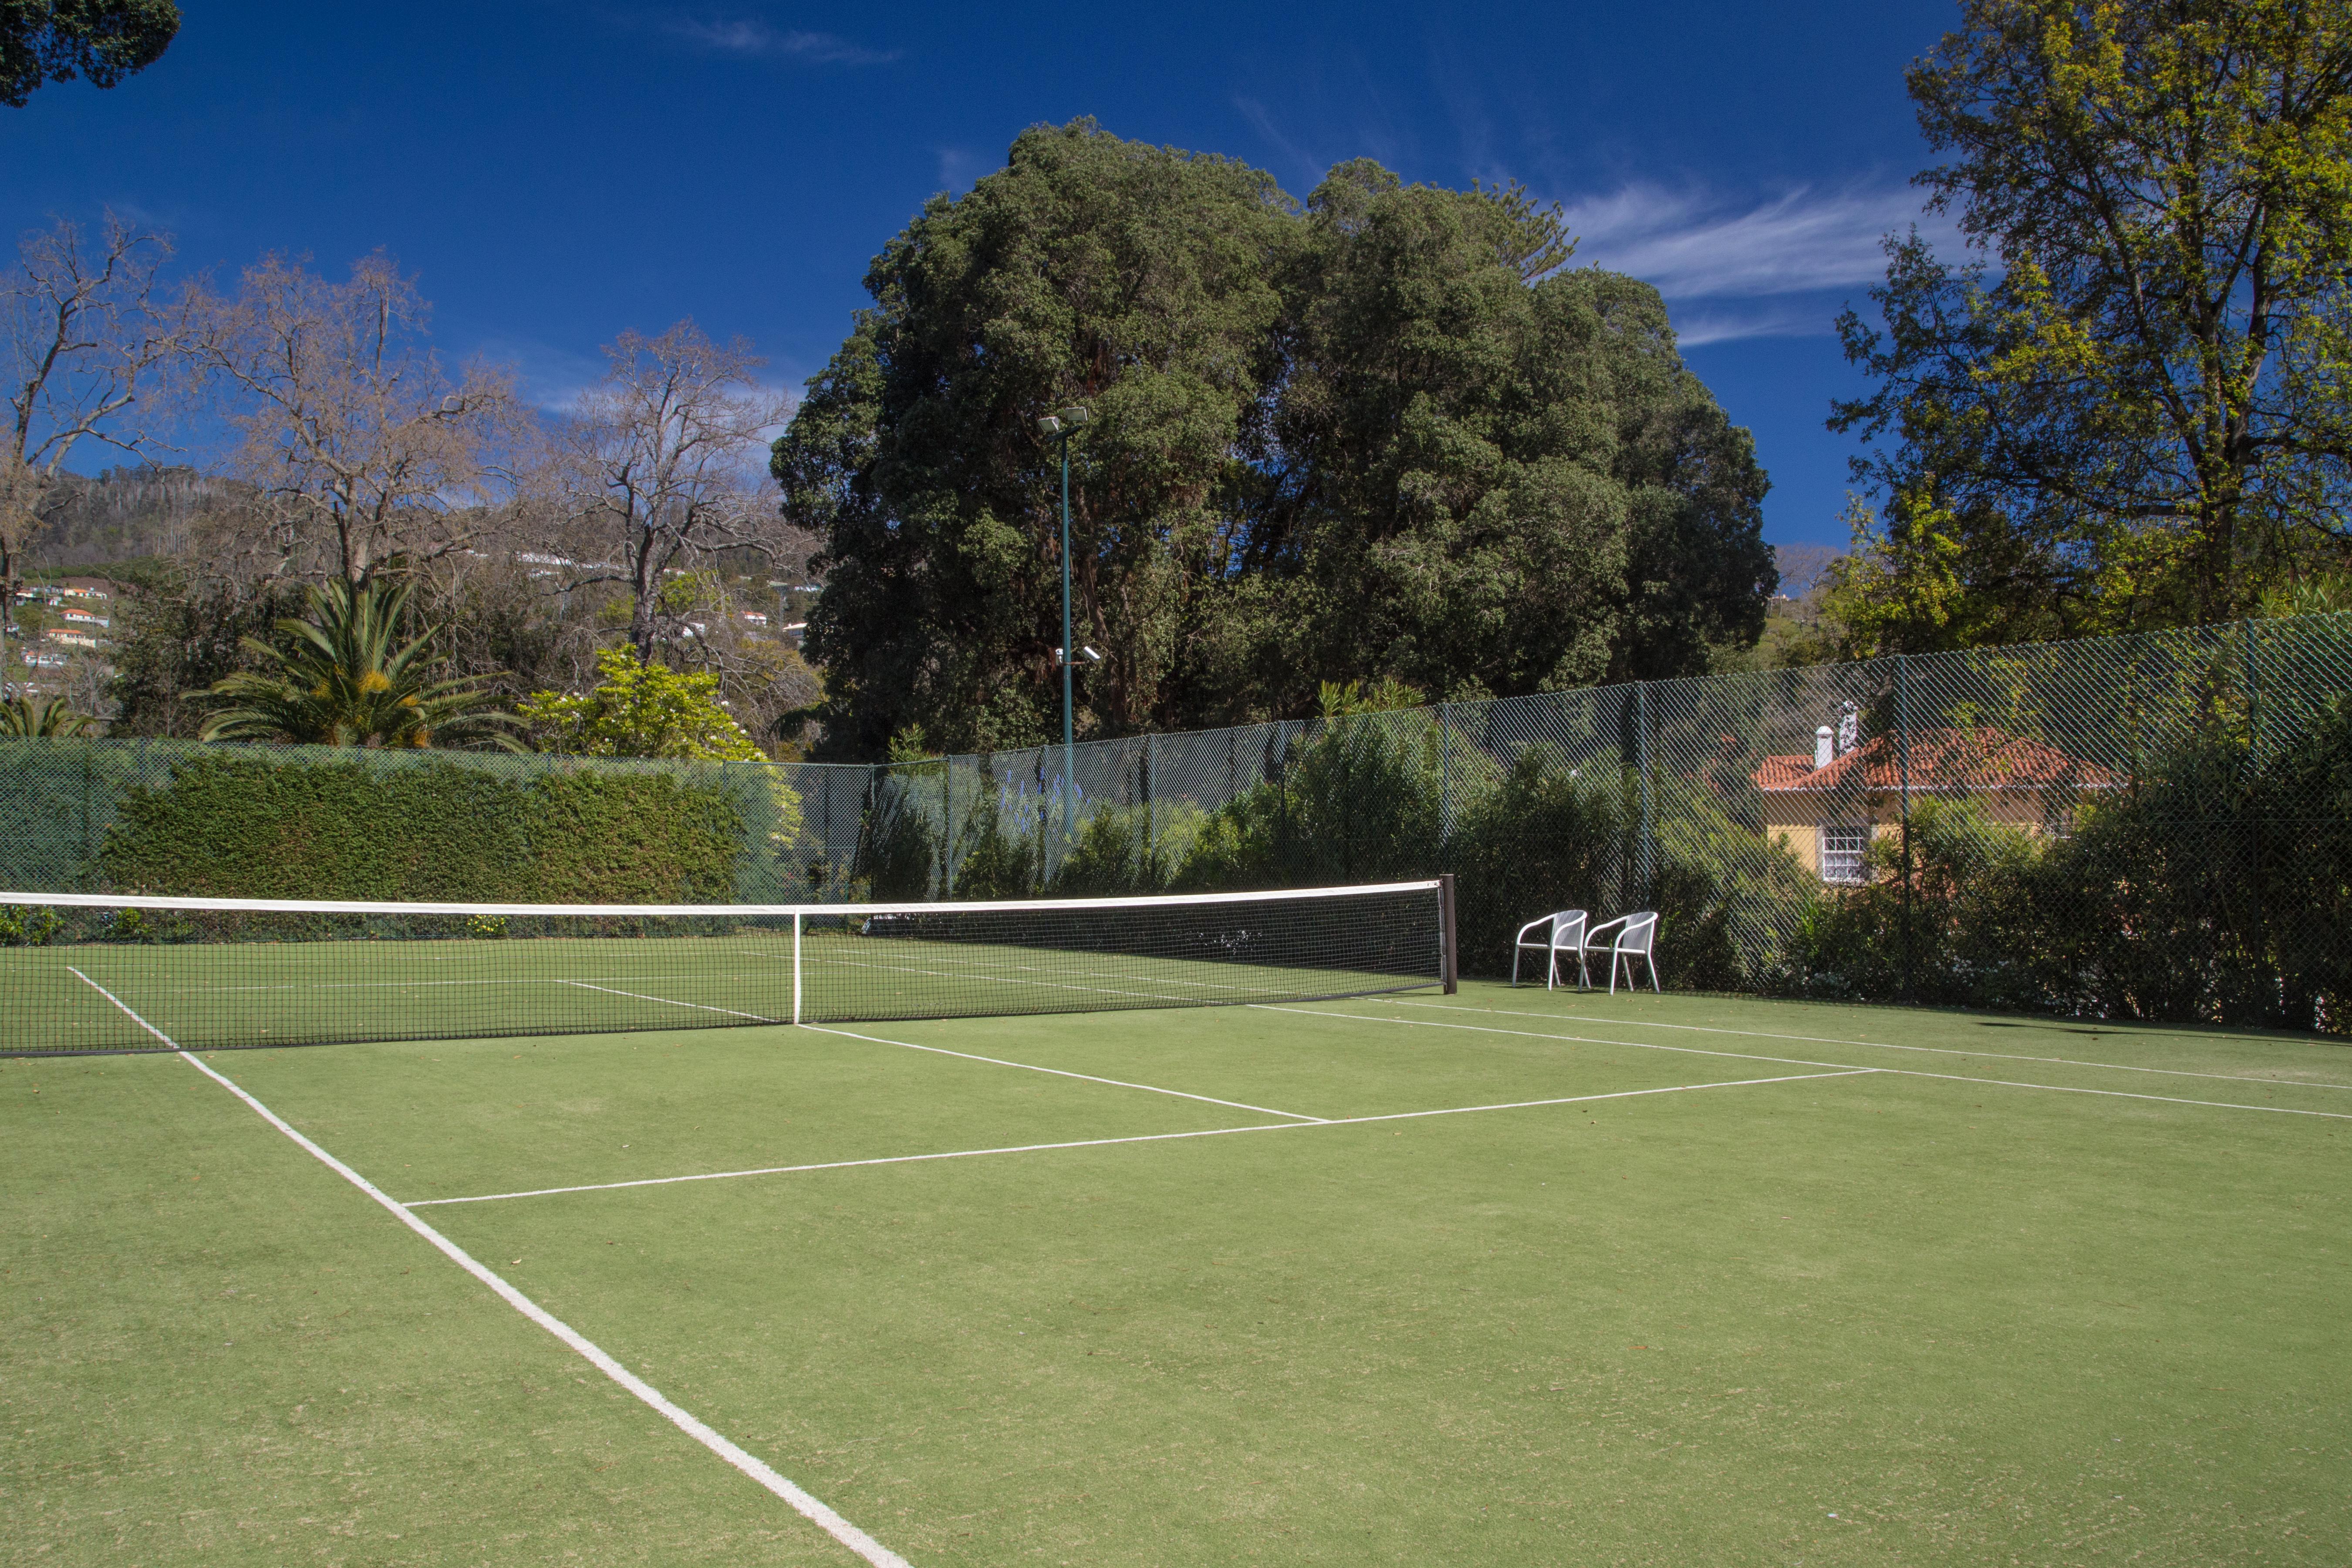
x: 1652, y: 960
x: 1515, y: 963
x: 1612, y: 973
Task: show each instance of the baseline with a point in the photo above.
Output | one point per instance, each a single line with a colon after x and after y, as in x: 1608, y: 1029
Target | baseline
x: 1872, y: 1045
x: 751, y: 1464
x: 1140, y: 1137
x: 1747, y: 1056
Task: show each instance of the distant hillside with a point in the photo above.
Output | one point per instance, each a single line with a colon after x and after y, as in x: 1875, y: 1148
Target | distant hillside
x: 124, y: 514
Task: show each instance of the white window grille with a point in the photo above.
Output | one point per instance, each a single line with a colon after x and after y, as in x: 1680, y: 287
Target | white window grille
x: 1842, y: 850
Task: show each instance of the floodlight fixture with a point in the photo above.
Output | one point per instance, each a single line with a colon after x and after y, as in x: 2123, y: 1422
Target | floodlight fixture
x: 1049, y: 427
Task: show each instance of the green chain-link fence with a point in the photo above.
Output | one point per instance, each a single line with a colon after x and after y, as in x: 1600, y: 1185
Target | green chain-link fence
x: 2153, y: 826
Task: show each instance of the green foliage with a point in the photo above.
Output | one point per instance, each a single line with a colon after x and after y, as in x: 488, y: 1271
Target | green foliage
x: 28, y: 926
x: 896, y: 853
x: 235, y: 827
x: 101, y: 41
x: 2127, y: 410
x: 343, y: 678
x: 642, y: 710
x: 2218, y: 889
x: 48, y: 719
x: 175, y: 638
x: 1114, y: 854
x: 1377, y: 438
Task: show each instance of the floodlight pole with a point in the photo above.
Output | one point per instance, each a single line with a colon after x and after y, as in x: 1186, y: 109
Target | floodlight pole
x: 1060, y: 426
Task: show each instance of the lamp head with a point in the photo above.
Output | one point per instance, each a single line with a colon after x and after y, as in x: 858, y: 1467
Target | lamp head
x: 1049, y: 427
x: 1073, y: 416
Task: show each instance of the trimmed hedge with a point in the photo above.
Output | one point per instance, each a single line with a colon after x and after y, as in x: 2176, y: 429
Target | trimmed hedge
x: 232, y: 826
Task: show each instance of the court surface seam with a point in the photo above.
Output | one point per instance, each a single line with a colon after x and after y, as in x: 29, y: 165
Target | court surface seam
x: 1865, y: 1045
x: 1060, y: 1072
x: 1795, y: 1061
x: 751, y: 1464
x: 1142, y: 1138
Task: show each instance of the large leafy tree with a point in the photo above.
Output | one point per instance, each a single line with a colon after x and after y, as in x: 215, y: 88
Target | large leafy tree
x: 1377, y: 435
x: 2128, y: 405
x: 58, y: 40
x: 345, y: 676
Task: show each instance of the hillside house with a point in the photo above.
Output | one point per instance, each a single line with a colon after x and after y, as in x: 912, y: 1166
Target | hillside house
x: 1827, y: 808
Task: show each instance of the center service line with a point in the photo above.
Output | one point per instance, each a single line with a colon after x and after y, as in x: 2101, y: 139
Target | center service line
x: 751, y: 1464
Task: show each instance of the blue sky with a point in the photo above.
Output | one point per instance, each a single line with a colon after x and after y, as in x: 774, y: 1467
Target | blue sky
x: 558, y: 172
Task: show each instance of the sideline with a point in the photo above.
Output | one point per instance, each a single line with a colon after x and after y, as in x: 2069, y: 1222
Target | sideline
x: 810, y: 1507
x: 1749, y: 1055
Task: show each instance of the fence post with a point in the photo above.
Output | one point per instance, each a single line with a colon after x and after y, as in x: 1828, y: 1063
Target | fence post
x: 1445, y: 782
x: 2266, y: 972
x: 1150, y: 796
x: 947, y: 827
x: 1646, y: 862
x: 1902, y: 761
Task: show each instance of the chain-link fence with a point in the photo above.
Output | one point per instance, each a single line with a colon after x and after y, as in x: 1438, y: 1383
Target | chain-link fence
x: 2151, y: 827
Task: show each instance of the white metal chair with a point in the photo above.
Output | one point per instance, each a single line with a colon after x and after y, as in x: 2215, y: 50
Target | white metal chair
x: 1636, y: 937
x: 1561, y: 933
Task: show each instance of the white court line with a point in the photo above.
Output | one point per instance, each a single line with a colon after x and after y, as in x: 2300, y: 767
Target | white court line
x: 1138, y: 1138
x: 751, y: 1464
x: 668, y: 1002
x: 1058, y: 1072
x: 1002, y: 980
x: 1872, y: 1045
x: 1895, y: 1072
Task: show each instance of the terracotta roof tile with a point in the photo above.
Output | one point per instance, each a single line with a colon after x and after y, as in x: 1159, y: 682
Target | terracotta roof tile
x: 1983, y: 758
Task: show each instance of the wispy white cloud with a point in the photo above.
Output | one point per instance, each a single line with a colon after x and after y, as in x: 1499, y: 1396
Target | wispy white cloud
x: 1693, y: 245
x: 750, y: 39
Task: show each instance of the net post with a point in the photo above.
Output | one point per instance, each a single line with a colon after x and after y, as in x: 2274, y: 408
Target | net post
x: 1450, y: 968
x: 796, y: 966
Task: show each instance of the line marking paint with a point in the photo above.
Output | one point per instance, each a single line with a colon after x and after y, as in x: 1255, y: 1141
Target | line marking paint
x: 668, y: 1002
x: 1058, y: 1072
x: 1894, y: 1072
x: 810, y: 1507
x: 1138, y: 1138
x: 1871, y: 1044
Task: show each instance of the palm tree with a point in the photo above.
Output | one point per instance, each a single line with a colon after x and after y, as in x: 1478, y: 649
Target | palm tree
x: 344, y: 678
x: 51, y: 718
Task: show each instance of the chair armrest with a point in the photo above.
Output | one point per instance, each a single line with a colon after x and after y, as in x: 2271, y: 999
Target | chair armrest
x: 1531, y: 925
x: 1592, y: 931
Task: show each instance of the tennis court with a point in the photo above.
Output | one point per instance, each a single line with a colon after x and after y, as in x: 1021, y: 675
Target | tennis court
x: 1500, y: 1276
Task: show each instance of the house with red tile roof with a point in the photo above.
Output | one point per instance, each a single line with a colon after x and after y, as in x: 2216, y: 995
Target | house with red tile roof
x: 1827, y: 808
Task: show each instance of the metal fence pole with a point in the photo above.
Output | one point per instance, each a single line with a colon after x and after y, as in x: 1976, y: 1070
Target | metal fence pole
x: 1445, y: 782
x: 1646, y: 863
x: 1903, y: 759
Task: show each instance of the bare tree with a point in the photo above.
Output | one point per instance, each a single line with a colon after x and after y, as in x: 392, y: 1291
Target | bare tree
x: 660, y: 468
x: 87, y: 344
x: 364, y: 453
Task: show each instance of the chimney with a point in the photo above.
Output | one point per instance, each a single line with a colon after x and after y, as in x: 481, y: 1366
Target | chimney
x: 1821, y: 747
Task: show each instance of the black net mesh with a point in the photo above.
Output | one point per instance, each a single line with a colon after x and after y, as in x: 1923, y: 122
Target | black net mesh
x: 111, y: 975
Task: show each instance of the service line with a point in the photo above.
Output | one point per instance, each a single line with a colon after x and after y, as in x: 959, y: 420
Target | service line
x: 1140, y: 1137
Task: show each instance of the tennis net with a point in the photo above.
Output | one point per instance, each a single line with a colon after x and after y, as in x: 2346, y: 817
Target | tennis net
x: 97, y: 972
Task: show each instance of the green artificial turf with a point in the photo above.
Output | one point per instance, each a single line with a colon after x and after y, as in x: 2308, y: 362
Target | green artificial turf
x: 1877, y: 1317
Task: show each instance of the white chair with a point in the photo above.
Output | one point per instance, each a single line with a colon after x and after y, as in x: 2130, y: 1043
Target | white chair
x: 1562, y: 932
x: 1636, y: 937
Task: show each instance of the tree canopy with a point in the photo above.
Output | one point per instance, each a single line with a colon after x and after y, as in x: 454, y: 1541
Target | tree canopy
x: 2126, y: 408
x: 58, y: 40
x: 1383, y: 434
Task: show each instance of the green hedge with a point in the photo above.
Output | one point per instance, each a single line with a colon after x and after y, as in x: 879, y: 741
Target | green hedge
x: 230, y: 827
